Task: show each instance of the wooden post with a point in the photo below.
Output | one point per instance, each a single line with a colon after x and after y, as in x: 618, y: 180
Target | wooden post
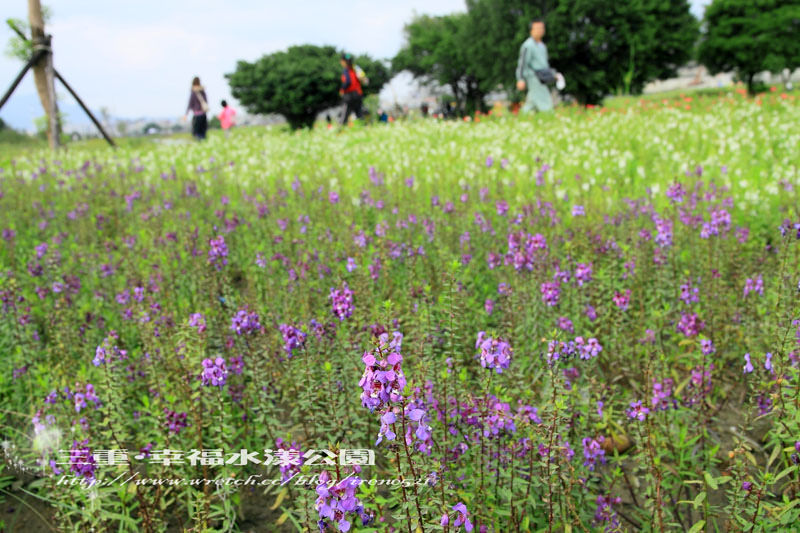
x: 34, y: 58
x: 43, y: 71
x: 54, y: 124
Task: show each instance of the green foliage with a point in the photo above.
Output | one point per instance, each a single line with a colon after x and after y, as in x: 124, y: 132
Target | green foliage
x: 496, y: 29
x: 298, y: 83
x: 617, y: 47
x: 18, y: 48
x: 145, y: 213
x: 11, y: 136
x: 601, y: 47
x: 436, y: 50
x: 750, y: 36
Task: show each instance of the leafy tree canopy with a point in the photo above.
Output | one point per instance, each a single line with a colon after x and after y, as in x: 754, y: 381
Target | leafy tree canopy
x: 750, y: 36
x: 298, y: 83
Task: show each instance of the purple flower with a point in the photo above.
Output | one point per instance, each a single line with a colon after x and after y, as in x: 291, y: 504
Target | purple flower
x: 578, y: 211
x: 236, y: 365
x: 764, y: 404
x: 488, y: 305
x: 565, y: 324
x: 81, y: 460
x: 214, y: 372
x: 662, y: 391
x: 748, y: 366
x: 593, y: 451
x: 196, y: 320
x: 550, y: 292
x: 383, y: 379
x: 218, y: 252
x: 293, y: 338
x: 589, y: 349
x: 754, y: 285
x: 174, y: 421
x: 604, y: 513
x: 418, y: 427
x: 664, y: 231
x: 335, y: 503
x: 342, y: 302
x: 494, y: 353
x: 244, y: 322
x: 583, y: 273
x: 676, y: 193
x: 351, y: 264
x: 707, y: 347
x: 699, y: 386
x: 333, y: 197
x: 41, y: 250
x: 690, y: 324
x: 637, y: 411
x: 622, y: 300
x: 292, y: 459
x: 689, y: 294
x: 463, y: 517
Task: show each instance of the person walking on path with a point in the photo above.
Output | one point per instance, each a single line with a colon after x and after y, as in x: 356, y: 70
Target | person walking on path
x: 351, y: 89
x: 198, y: 106
x: 533, y: 57
x: 226, y: 120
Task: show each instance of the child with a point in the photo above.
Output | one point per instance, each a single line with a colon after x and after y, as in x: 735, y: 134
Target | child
x: 226, y: 118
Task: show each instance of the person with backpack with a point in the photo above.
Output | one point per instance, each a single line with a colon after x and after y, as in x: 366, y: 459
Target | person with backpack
x: 198, y: 105
x: 351, y: 90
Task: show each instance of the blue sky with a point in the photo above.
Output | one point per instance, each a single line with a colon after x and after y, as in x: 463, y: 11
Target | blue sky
x: 138, y: 58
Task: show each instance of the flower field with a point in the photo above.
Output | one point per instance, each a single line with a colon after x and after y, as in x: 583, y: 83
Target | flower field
x: 588, y: 321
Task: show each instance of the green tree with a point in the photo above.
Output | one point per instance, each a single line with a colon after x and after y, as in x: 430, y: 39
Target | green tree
x: 750, y: 36
x: 497, y: 29
x: 435, y: 51
x: 601, y: 47
x: 298, y: 83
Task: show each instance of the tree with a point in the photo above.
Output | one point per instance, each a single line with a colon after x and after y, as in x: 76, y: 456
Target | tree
x: 436, y: 52
x: 43, y: 73
x: 298, y: 83
x: 750, y: 36
x: 601, y: 47
x: 497, y: 29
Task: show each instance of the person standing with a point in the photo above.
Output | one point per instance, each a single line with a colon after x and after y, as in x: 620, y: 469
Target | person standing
x: 198, y: 106
x: 533, y: 57
x: 226, y: 120
x: 351, y: 89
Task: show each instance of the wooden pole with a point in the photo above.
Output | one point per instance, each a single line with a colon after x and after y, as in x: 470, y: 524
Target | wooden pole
x: 43, y: 71
x: 18, y: 79
x: 86, y: 109
x: 60, y: 78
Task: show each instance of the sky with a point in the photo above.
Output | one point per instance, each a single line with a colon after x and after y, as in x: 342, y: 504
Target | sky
x: 137, y: 59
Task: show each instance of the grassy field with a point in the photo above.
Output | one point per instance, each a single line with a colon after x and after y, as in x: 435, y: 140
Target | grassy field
x: 587, y: 320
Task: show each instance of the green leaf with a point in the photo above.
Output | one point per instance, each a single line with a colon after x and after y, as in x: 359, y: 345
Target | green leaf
x: 697, y: 527
x: 710, y: 480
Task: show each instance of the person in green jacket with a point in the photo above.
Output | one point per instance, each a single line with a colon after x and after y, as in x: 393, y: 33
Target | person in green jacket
x: 533, y: 57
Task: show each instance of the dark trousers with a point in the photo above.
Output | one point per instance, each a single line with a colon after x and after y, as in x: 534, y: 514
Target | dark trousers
x: 199, y: 126
x: 352, y: 104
